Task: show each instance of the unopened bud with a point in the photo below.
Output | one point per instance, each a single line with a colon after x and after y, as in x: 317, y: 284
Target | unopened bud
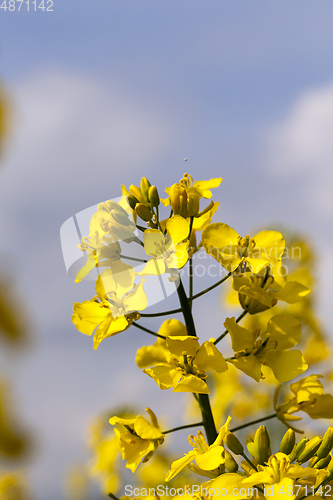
x: 310, y: 449
x: 178, y: 199
x: 193, y: 205
x: 153, y: 197
x: 327, y: 444
x: 298, y: 449
x: 230, y: 463
x: 144, y: 186
x: 288, y: 442
x: 136, y: 191
x: 121, y: 217
x: 330, y: 465
x: 322, y: 463
x: 143, y: 212
x: 234, y: 444
x: 250, y: 446
x: 261, y: 445
x: 132, y: 201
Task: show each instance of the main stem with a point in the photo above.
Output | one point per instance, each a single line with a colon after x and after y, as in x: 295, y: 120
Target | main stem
x: 203, y: 399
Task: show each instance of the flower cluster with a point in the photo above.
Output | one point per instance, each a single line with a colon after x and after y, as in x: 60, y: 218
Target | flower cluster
x: 134, y: 244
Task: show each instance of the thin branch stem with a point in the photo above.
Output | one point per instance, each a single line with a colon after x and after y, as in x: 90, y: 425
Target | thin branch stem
x: 212, y: 286
x: 191, y: 282
x: 111, y: 495
x: 197, y: 424
x: 148, y: 331
x: 249, y: 461
x: 164, y: 313
x: 253, y: 422
x: 127, y: 257
x: 241, y: 316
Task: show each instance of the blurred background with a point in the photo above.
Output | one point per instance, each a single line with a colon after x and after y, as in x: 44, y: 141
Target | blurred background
x: 98, y: 94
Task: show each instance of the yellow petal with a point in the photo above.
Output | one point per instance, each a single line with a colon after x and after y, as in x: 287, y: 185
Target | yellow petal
x: 152, y: 355
x: 209, y: 357
x: 249, y: 365
x: 221, y: 242
x: 292, y: 292
x: 177, y: 345
x: 88, y: 315
x: 205, y: 186
x: 191, y: 383
x: 89, y: 265
x: 135, y: 300
x: 177, y: 228
x: 154, y: 240
x: 179, y: 465
x: 145, y: 430
x: 285, y: 331
x: 109, y: 328
x: 163, y: 375
x: 286, y: 365
x: 271, y: 244
x: 172, y: 327
x: 323, y: 407
x: 211, y: 459
x: 154, y: 267
x: 241, y: 338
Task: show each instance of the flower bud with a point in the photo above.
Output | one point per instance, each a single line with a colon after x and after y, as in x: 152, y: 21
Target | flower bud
x: 193, y: 203
x: 288, y: 442
x: 132, y: 201
x: 310, y: 449
x: 136, y: 191
x: 298, y: 448
x: 234, y: 444
x: 261, y: 445
x: 178, y: 199
x: 153, y: 196
x: 327, y: 444
x: 230, y: 463
x: 143, y: 212
x: 330, y: 465
x: 322, y: 463
x: 144, y: 186
x: 250, y: 446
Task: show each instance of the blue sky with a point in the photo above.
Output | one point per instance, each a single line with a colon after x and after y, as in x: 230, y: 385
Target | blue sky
x: 105, y: 92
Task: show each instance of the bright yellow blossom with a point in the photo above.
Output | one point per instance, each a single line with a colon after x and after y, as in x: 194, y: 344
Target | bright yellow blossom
x: 180, y: 362
x: 308, y: 397
x: 227, y: 247
x: 168, y: 251
x: 138, y: 439
x: 114, y: 307
x: 209, y: 459
x: 270, y: 348
x: 258, y: 292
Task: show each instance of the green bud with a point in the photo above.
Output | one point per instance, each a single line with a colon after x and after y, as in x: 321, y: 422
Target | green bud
x: 230, y: 463
x: 178, y: 199
x: 310, y: 449
x: 143, y: 212
x: 250, y: 446
x: 234, y: 444
x: 153, y: 196
x: 322, y: 463
x: 298, y: 448
x: 144, y: 186
x: 330, y: 465
x: 132, y: 201
x: 327, y: 444
x: 288, y: 442
x: 261, y: 445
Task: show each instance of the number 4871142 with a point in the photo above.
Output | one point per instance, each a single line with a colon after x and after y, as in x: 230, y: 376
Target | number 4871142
x: 28, y: 5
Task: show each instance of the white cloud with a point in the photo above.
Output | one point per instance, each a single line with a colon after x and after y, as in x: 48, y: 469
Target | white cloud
x: 301, y: 147
x: 71, y: 132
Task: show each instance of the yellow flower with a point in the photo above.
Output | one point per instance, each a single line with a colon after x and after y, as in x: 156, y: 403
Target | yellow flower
x: 184, y: 197
x: 108, y: 225
x: 209, y: 459
x: 180, y: 362
x: 308, y: 397
x: 281, y: 474
x: 168, y: 251
x: 114, y: 307
x: 270, y: 348
x: 258, y: 292
x: 227, y: 247
x: 138, y: 439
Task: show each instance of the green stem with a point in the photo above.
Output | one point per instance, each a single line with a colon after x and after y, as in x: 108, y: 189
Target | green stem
x: 111, y: 495
x: 132, y: 258
x: 164, y: 313
x: 197, y: 424
x: 212, y: 286
x: 241, y: 316
x: 148, y: 331
x: 191, y: 282
x: 249, y: 462
x: 203, y: 399
x: 253, y: 422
